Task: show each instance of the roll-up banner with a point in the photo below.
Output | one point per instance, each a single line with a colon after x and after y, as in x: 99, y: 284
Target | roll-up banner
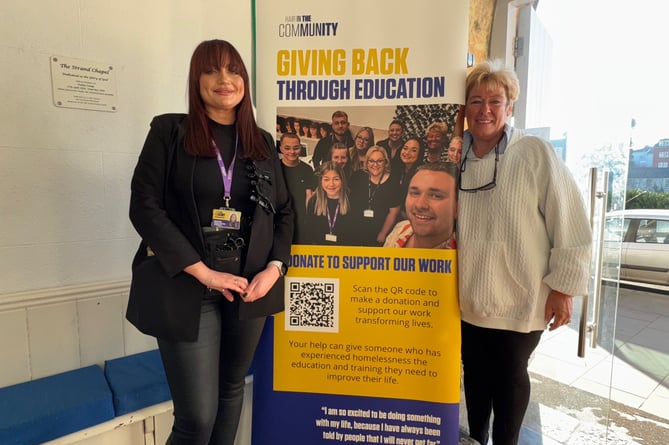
x: 362, y: 95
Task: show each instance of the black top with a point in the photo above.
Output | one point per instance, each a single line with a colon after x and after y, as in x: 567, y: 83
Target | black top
x: 164, y: 211
x: 395, y: 161
x: 208, y: 180
x: 316, y: 227
x: 299, y: 179
x: 378, y: 198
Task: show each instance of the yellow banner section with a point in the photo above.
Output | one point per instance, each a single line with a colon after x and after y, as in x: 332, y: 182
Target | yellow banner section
x: 370, y: 321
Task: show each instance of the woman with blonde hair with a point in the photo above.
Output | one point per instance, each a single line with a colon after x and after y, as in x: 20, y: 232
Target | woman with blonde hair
x: 524, y: 247
x: 375, y: 199
x: 436, y: 136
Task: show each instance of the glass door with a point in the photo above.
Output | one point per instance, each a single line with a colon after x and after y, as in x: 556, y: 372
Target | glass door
x: 571, y: 369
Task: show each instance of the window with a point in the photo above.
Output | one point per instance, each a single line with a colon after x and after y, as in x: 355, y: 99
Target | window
x: 662, y: 231
x: 647, y: 231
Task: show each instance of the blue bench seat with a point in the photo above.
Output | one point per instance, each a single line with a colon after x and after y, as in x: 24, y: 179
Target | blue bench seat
x: 137, y: 381
x: 45, y: 409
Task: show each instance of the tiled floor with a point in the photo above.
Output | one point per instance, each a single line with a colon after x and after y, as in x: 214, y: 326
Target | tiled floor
x: 640, y: 376
x: 570, y: 395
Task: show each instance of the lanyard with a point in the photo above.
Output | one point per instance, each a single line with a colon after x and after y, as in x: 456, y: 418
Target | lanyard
x: 226, y: 174
x: 370, y: 193
x: 332, y: 221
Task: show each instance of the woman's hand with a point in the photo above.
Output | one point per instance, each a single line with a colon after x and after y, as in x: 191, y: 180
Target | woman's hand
x: 559, y: 307
x: 223, y: 282
x: 261, y: 284
x: 226, y: 282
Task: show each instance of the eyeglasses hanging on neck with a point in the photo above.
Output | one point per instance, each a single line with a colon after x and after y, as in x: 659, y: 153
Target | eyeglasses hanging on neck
x: 489, y: 186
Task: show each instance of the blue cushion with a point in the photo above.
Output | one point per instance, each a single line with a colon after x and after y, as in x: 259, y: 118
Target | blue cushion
x: 137, y: 381
x: 47, y: 408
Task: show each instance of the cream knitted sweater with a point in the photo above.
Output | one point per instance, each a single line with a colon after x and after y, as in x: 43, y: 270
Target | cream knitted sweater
x: 516, y: 242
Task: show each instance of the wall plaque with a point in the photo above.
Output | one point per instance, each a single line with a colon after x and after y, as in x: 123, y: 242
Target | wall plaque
x: 83, y: 84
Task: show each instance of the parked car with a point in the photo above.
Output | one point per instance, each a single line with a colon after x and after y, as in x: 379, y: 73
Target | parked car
x: 638, y: 240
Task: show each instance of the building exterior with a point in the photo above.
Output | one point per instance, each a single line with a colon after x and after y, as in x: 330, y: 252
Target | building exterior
x: 649, y: 168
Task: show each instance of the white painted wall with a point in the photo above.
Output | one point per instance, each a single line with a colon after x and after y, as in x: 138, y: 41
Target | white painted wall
x: 64, y: 173
x: 65, y: 239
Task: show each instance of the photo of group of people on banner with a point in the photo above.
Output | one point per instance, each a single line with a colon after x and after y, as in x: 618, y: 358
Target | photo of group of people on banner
x: 354, y: 185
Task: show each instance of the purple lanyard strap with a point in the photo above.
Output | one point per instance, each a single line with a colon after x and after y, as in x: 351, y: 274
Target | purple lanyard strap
x: 226, y: 174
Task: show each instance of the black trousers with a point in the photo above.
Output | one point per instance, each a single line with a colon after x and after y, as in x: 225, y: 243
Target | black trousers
x: 496, y: 380
x: 207, y: 377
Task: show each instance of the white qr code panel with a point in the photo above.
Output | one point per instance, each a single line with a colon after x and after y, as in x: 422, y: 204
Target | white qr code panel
x: 312, y: 304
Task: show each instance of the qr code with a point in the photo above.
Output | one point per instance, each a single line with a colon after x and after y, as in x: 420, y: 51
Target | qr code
x: 312, y: 304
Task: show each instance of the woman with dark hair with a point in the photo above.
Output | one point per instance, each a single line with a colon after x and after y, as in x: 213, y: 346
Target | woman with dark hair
x: 394, y: 143
x: 313, y: 130
x: 304, y: 128
x: 324, y: 130
x: 290, y: 125
x: 280, y: 124
x: 297, y: 126
x: 195, y: 275
x: 363, y: 139
x: 411, y: 157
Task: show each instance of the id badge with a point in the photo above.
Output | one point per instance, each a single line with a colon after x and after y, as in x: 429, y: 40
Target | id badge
x: 331, y: 237
x: 369, y: 213
x: 226, y: 218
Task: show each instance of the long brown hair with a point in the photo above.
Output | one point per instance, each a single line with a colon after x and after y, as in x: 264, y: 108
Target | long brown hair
x: 197, y: 140
x: 320, y: 197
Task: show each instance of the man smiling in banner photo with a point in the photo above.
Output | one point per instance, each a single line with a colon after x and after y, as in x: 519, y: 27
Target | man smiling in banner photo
x: 300, y: 178
x: 340, y: 133
x: 431, y: 209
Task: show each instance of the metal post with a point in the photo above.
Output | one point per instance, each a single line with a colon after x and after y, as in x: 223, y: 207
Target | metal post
x: 599, y: 258
x: 583, y: 321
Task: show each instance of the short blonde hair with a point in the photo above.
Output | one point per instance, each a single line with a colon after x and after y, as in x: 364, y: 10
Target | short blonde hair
x: 492, y: 74
x: 441, y: 127
x: 384, y: 153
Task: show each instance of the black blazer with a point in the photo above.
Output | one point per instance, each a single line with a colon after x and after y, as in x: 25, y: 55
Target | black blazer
x: 165, y: 301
